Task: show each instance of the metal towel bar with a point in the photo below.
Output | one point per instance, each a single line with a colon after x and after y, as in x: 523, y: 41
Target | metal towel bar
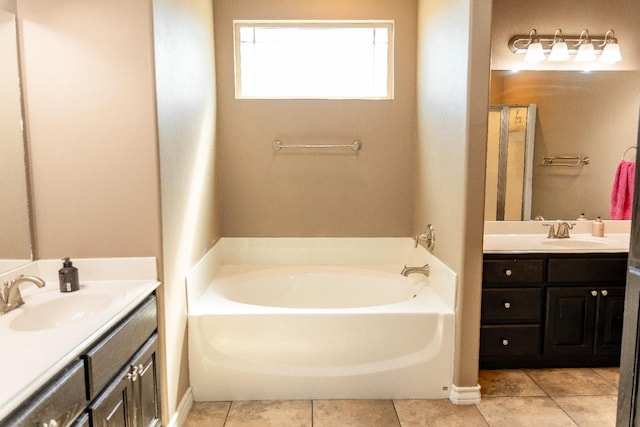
x: 570, y: 161
x: 355, y: 145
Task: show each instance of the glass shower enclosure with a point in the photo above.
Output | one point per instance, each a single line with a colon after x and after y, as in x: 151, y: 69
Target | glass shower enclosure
x: 509, y: 172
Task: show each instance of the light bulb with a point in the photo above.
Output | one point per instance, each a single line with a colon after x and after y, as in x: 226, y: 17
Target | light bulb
x: 586, y: 52
x: 611, y: 53
x: 559, y: 52
x: 534, y: 53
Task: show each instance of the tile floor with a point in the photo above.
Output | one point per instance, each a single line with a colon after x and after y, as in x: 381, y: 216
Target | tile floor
x: 510, y: 398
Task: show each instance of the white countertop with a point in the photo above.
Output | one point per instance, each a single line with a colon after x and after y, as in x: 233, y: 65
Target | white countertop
x: 31, y: 356
x: 531, y: 237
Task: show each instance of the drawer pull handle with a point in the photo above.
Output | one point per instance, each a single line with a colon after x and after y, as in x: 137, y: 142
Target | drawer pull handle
x: 508, y: 272
x: 594, y: 293
x: 133, y: 374
x: 505, y: 342
x: 604, y: 292
x: 507, y: 305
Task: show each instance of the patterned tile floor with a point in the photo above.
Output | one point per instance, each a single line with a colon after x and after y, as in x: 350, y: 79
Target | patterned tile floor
x: 510, y: 398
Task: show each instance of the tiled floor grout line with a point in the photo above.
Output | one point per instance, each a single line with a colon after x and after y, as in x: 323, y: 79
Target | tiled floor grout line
x: 486, y: 421
x: 226, y: 417
x: 535, y: 382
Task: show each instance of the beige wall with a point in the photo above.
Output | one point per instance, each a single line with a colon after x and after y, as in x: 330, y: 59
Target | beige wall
x: 588, y: 114
x: 317, y: 194
x: 450, y: 154
x: 88, y: 80
x: 185, y: 79
x: 511, y: 17
x: 14, y: 218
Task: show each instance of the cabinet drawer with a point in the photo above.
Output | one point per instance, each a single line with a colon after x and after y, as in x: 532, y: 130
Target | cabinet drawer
x: 587, y: 269
x: 520, y: 340
x: 520, y: 305
x: 511, y: 271
x: 62, y: 400
x: 108, y: 357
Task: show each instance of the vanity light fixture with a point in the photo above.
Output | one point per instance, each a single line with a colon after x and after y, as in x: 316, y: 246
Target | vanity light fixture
x: 560, y: 47
x: 535, y: 53
x: 611, y: 50
x: 586, y: 52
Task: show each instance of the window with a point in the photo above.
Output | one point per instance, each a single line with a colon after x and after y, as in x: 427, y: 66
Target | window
x: 314, y: 59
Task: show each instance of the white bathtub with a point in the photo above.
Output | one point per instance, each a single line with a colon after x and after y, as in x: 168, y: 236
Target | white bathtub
x: 264, y: 332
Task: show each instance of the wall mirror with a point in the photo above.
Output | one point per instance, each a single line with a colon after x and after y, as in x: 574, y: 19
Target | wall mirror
x: 579, y: 115
x: 15, y: 235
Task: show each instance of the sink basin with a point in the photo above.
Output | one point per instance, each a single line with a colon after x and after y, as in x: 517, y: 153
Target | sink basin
x: 577, y: 243
x: 61, y: 311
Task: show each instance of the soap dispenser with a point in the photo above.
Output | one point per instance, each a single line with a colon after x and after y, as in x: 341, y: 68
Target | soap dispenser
x: 68, y: 276
x: 597, y: 228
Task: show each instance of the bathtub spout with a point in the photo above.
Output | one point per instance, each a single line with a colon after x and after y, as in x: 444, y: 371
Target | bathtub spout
x: 420, y: 270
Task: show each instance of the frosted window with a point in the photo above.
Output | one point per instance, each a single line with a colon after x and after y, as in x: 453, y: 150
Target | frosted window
x: 326, y: 60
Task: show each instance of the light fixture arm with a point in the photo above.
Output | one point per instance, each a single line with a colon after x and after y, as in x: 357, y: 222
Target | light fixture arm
x: 608, y: 39
x: 584, y: 38
x: 557, y: 38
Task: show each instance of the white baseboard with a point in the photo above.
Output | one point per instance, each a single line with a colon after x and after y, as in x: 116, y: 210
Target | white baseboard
x: 464, y: 395
x: 183, y: 409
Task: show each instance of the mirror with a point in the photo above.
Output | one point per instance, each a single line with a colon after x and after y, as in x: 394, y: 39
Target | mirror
x: 15, y: 235
x: 580, y: 115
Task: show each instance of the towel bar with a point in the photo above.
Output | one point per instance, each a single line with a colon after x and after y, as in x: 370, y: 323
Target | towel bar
x: 355, y: 145
x: 570, y: 161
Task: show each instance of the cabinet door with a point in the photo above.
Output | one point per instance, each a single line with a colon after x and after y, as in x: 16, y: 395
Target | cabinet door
x: 570, y: 321
x: 609, y: 321
x: 111, y: 408
x: 146, y: 402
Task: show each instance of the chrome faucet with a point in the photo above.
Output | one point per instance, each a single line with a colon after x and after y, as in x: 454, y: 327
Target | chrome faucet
x: 10, y: 296
x: 420, y: 270
x: 562, y: 232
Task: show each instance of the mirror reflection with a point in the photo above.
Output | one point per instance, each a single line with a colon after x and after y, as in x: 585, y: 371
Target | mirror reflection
x: 510, y: 139
x: 580, y: 115
x: 15, y: 237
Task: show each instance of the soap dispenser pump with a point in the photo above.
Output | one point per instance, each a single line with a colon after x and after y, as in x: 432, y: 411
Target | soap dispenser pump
x: 68, y: 276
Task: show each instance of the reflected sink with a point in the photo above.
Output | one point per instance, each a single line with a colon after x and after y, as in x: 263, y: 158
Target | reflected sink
x: 58, y: 312
x: 572, y: 243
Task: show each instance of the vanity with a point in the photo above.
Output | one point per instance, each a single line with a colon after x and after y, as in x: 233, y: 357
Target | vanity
x: 83, y: 358
x: 552, y: 302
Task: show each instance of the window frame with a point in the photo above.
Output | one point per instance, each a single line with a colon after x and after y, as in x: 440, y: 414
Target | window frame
x: 388, y: 24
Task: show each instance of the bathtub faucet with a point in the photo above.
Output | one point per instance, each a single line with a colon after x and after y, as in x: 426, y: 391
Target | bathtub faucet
x: 427, y: 239
x: 420, y: 270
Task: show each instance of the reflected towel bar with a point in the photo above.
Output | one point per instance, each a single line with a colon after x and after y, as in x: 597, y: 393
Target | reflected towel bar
x: 570, y: 161
x: 355, y: 145
x: 633, y: 147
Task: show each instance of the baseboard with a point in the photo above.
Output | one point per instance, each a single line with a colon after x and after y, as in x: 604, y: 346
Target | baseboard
x: 183, y: 409
x: 464, y: 395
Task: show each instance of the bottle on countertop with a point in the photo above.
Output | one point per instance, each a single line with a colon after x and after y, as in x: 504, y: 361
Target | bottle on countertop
x: 68, y: 276
x: 597, y: 228
x: 581, y: 217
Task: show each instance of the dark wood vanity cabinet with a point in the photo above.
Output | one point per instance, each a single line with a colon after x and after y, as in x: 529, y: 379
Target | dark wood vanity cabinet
x: 133, y: 398
x: 123, y: 374
x: 552, y: 310
x: 111, y: 384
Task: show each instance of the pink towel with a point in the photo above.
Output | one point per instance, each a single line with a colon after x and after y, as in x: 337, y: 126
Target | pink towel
x: 622, y: 192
